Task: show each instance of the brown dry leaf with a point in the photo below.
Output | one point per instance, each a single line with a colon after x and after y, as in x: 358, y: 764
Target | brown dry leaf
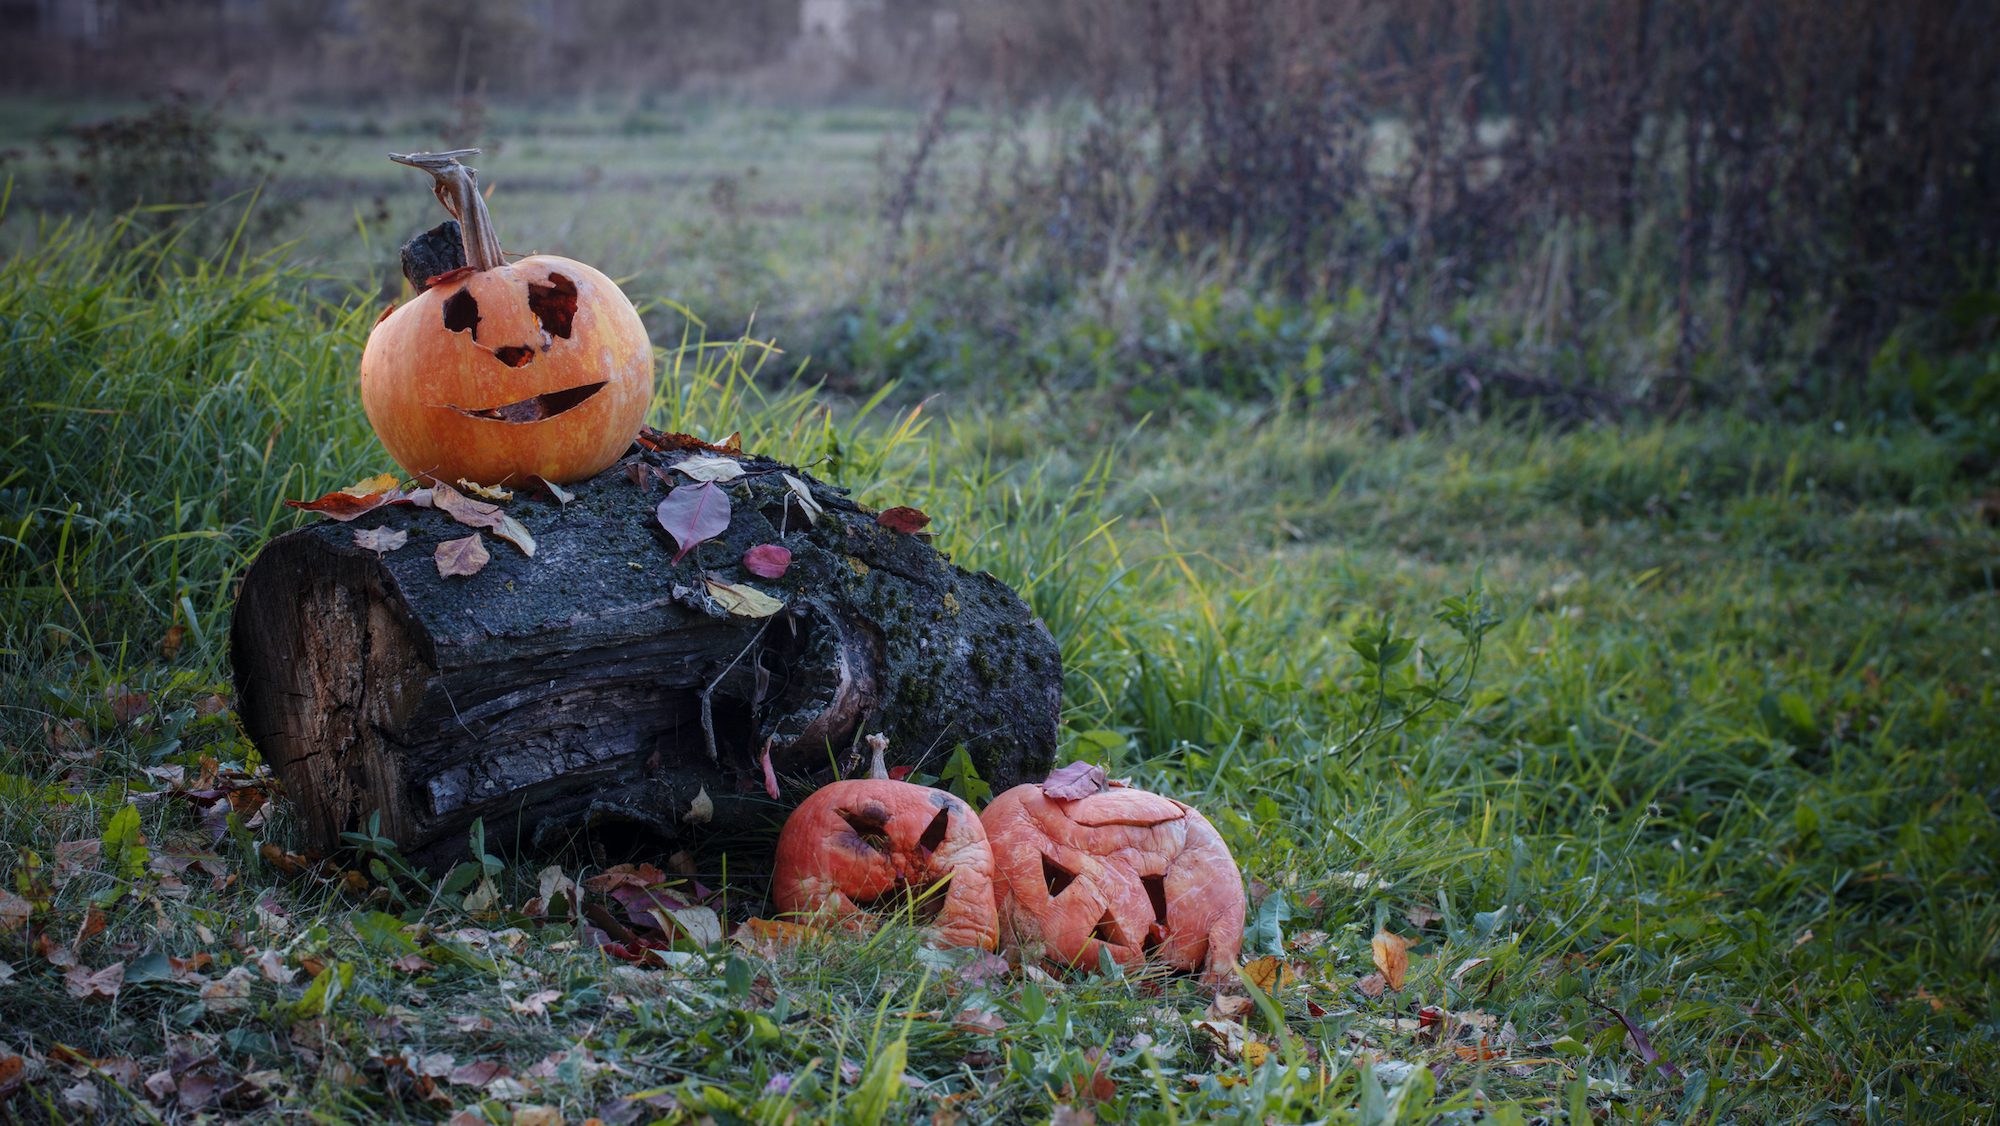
x: 13, y: 1075
x: 770, y: 933
x: 1077, y: 780
x: 1269, y: 973
x: 1467, y: 966
x: 1372, y: 985
x: 478, y: 514
x: 1305, y: 942
x: 477, y: 1073
x: 978, y: 1021
x: 1227, y: 1006
x: 381, y: 541
x: 14, y: 911
x: 272, y: 965
x: 461, y: 557
x: 802, y: 495
x: 229, y: 992
x: 1227, y: 1037
x: 83, y: 984
x: 412, y: 964
x: 170, y: 645
x: 536, y: 1115
x: 535, y: 1004
x: 1422, y: 915
x: 1392, y: 957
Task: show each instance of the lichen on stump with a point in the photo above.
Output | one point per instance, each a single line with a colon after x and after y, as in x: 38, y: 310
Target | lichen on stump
x: 578, y: 693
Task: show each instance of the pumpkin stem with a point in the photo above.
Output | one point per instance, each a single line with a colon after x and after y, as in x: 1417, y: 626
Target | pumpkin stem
x: 457, y: 187
x: 876, y: 745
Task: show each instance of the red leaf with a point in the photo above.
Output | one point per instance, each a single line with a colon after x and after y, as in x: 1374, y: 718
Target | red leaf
x: 908, y: 521
x: 898, y: 773
x: 342, y: 506
x: 694, y: 515
x: 1077, y: 780
x: 767, y: 560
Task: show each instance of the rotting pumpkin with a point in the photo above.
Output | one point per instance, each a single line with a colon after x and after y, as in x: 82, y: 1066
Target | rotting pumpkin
x: 1117, y: 871
x: 860, y: 847
x: 505, y: 370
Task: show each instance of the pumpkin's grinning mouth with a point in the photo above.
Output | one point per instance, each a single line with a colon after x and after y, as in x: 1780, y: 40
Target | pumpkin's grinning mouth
x: 540, y: 407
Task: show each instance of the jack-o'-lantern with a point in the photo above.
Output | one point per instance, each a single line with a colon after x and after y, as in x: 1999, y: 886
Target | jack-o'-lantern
x: 503, y: 370
x: 1086, y: 868
x: 863, y: 847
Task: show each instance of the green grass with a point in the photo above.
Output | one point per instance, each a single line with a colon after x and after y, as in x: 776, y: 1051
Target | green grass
x: 1727, y: 762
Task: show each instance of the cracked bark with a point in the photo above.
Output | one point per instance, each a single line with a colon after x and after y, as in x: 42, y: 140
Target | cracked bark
x: 560, y: 698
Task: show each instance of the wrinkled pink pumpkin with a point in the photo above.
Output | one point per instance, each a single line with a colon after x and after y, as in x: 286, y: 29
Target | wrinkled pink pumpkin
x: 864, y: 847
x: 1118, y: 870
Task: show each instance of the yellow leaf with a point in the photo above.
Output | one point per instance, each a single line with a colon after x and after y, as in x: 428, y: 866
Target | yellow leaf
x: 746, y: 601
x: 1392, y: 957
x: 369, y: 486
x: 1256, y: 1052
x: 1269, y: 973
x: 485, y: 492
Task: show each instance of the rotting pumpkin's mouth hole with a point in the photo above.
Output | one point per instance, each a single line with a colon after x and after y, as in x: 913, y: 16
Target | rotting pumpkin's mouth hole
x: 544, y: 406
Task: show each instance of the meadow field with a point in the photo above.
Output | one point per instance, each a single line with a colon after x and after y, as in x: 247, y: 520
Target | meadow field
x: 1668, y: 742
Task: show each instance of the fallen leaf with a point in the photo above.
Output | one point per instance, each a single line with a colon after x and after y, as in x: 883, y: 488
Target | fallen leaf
x: 709, y: 467
x: 479, y: 514
x: 561, y: 496
x: 341, y: 506
x: 477, y: 1073
x: 908, y: 521
x: 802, y: 493
x: 1372, y: 985
x: 700, y: 924
x: 701, y: 810
x: 1422, y: 915
x: 1467, y: 966
x: 485, y: 492
x: 1227, y: 1037
x: 272, y: 965
x: 1269, y: 973
x: 13, y: 1075
x: 693, y: 515
x: 370, y: 486
x: 1227, y: 1006
x: 1641, y: 1042
x: 461, y: 557
x: 983, y: 1021
x: 14, y: 911
x: 741, y: 600
x: 412, y: 964
x: 381, y: 541
x: 1392, y: 957
x: 170, y: 645
x: 754, y: 932
x: 1305, y: 942
x: 1077, y: 780
x: 83, y: 984
x: 536, y: 1115
x: 767, y: 561
x: 535, y: 1004
x: 983, y: 970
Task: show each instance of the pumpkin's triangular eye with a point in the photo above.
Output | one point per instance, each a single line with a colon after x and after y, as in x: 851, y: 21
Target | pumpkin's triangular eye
x: 1107, y: 930
x: 934, y: 832
x: 1056, y: 876
x: 870, y: 826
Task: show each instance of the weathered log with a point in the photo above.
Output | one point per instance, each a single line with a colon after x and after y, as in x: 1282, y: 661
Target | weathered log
x: 598, y: 691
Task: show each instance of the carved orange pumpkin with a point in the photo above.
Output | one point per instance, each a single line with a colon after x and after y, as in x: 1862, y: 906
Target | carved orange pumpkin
x: 503, y: 370
x: 1115, y: 870
x: 867, y: 845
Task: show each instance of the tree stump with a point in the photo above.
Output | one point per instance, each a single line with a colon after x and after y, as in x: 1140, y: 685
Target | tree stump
x: 598, y: 690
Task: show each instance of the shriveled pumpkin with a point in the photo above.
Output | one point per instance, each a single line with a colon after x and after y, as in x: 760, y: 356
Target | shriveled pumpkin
x: 503, y: 370
x: 1084, y: 867
x: 861, y: 848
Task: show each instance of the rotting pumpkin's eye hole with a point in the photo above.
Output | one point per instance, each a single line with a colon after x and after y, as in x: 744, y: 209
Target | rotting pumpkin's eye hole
x: 869, y: 826
x: 1056, y: 876
x: 1107, y: 930
x: 1156, y: 891
x: 461, y: 313
x: 554, y: 304
x: 934, y: 832
x: 546, y: 405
